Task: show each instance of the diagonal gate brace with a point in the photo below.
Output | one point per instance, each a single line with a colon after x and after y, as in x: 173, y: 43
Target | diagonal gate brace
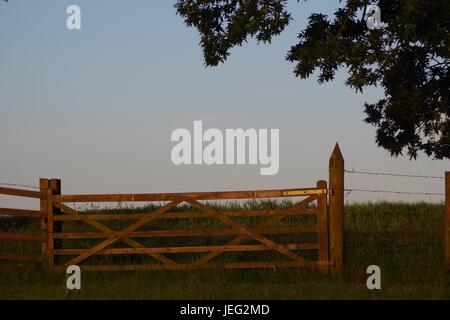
x: 239, y: 239
x: 248, y: 232
x: 104, y: 228
x: 122, y: 234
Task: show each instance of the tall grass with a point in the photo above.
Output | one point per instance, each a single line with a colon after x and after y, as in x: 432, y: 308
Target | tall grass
x: 404, y: 239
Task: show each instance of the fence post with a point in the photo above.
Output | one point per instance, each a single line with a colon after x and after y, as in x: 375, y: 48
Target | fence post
x: 322, y: 224
x: 55, y: 185
x: 43, y: 188
x: 447, y: 219
x: 50, y: 229
x: 336, y: 210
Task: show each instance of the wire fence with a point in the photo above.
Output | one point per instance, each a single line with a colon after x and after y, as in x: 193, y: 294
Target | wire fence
x: 353, y: 171
x: 8, y: 184
x: 394, y: 174
x: 347, y: 190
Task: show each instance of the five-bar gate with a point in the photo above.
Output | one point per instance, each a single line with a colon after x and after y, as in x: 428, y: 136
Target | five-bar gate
x: 186, y: 231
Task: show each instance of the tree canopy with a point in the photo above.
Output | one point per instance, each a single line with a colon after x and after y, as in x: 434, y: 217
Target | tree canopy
x: 408, y: 57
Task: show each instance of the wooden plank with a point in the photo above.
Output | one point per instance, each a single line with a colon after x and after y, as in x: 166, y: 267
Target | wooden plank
x: 107, y: 229
x: 186, y: 215
x: 256, y: 194
x: 447, y: 219
x: 20, y: 193
x: 203, y: 260
x: 336, y: 224
x: 228, y: 265
x: 22, y: 237
x: 50, y: 239
x: 189, y: 249
x: 20, y: 213
x: 44, y: 184
x: 322, y: 224
x: 246, y: 231
x: 185, y: 233
x: 21, y: 257
x: 55, y: 186
x: 123, y: 233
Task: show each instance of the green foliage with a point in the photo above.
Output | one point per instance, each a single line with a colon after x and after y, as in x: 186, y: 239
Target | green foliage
x: 225, y: 24
x: 408, y: 57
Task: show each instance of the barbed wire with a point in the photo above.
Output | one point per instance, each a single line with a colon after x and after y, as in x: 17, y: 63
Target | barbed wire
x: 18, y: 185
x: 347, y: 190
x: 395, y: 192
x: 394, y: 174
x: 353, y: 171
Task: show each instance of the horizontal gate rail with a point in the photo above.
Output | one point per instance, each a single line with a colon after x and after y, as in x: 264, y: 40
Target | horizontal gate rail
x: 22, y: 237
x: 190, y: 249
x: 184, y: 215
x: 20, y: 213
x: 21, y: 257
x: 183, y: 233
x: 20, y: 193
x: 226, y: 195
x: 226, y: 265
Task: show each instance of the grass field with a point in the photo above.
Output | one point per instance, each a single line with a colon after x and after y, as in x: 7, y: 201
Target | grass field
x: 405, y: 240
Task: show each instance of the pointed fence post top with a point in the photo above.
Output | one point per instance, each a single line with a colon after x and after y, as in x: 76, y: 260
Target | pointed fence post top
x: 336, y: 159
x: 336, y: 209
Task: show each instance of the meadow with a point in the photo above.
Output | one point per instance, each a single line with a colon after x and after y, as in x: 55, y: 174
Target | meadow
x: 404, y: 239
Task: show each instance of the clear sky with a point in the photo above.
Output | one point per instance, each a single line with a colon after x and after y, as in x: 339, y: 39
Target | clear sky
x: 96, y: 107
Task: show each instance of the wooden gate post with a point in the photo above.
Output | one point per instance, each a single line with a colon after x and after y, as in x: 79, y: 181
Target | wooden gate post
x: 55, y: 185
x: 322, y: 224
x: 50, y: 230
x: 336, y: 210
x: 44, y: 185
x: 447, y: 219
x: 47, y: 222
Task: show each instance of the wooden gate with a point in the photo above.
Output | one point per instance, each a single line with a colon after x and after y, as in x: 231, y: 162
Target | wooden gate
x: 250, y: 230
x: 305, y: 233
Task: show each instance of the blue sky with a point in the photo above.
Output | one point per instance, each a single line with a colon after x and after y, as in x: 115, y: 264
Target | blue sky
x: 96, y: 107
